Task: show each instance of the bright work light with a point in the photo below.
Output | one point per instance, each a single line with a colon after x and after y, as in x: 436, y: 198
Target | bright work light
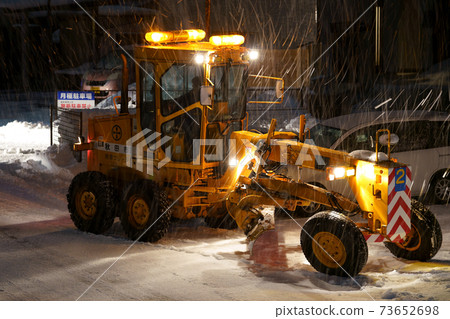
x: 340, y: 172
x: 253, y: 55
x: 199, y: 58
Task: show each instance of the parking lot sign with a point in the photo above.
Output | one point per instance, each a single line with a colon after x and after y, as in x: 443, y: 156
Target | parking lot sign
x: 75, y: 99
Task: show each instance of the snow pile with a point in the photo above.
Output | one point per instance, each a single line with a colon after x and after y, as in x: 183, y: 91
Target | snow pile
x: 25, y: 153
x: 34, y: 177
x: 23, y: 137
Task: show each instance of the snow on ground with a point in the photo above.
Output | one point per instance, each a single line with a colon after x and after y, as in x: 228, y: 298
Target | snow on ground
x: 44, y: 257
x: 19, y: 138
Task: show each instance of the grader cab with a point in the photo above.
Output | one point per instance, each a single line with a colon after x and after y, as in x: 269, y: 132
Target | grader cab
x: 185, y: 153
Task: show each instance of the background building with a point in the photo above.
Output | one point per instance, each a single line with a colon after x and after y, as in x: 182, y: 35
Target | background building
x: 400, y: 54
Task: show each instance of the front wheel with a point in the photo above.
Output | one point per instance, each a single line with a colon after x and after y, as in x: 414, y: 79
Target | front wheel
x: 145, y: 212
x: 425, y: 238
x: 333, y: 244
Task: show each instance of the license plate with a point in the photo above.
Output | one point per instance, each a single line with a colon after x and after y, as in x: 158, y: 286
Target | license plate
x: 96, y: 89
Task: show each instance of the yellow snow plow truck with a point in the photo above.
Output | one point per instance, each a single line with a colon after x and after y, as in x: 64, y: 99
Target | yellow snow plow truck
x: 185, y: 153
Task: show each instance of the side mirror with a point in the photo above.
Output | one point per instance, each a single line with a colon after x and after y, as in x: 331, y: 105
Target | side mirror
x: 279, y: 89
x: 206, y: 93
x: 384, y: 139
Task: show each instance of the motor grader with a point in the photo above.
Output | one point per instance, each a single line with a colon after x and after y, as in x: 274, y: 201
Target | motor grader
x: 187, y: 153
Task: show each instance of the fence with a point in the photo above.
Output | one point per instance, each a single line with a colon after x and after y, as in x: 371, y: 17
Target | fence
x: 70, y: 125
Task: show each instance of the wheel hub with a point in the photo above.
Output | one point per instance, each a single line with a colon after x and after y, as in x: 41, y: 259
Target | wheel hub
x: 329, y: 249
x: 140, y: 212
x: 87, y: 205
x: 412, y: 241
x: 442, y: 189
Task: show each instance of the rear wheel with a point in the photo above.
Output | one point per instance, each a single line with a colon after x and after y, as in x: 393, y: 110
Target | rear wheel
x: 333, y: 244
x: 145, y: 212
x: 91, y: 202
x: 425, y: 238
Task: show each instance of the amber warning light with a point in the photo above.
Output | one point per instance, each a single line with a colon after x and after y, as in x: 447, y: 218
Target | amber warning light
x: 222, y: 40
x: 175, y: 36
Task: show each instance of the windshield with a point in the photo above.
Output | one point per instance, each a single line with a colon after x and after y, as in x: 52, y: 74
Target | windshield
x: 324, y: 136
x: 230, y: 85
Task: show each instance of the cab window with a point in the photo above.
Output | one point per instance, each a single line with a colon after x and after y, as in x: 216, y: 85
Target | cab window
x: 180, y: 87
x: 182, y: 130
x: 147, y: 96
x: 229, y: 93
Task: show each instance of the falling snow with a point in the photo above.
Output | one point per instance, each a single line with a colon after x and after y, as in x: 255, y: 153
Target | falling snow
x: 332, y: 64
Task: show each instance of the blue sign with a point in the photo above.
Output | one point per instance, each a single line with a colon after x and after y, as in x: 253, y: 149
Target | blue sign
x: 76, y: 99
x: 400, y: 179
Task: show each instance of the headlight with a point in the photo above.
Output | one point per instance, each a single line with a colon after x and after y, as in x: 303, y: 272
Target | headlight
x: 232, y: 161
x: 199, y: 58
x: 253, y: 55
x: 340, y: 172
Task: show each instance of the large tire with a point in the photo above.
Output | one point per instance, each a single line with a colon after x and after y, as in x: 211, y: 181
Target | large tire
x: 333, y: 244
x: 425, y: 238
x: 145, y: 212
x: 440, y: 189
x: 91, y: 202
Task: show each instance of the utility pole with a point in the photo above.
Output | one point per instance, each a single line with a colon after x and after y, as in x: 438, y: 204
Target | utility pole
x: 378, y: 7
x: 207, y: 18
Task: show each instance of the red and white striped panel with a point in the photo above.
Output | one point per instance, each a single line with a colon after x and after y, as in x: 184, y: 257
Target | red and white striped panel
x: 399, y: 203
x: 375, y: 238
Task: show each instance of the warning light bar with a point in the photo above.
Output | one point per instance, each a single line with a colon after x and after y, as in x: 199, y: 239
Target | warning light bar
x: 222, y: 40
x: 175, y: 36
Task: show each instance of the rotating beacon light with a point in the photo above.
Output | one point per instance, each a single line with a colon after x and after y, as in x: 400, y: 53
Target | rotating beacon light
x: 175, y: 36
x: 223, y: 40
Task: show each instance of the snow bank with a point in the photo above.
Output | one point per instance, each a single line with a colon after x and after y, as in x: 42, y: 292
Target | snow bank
x: 34, y: 177
x: 24, y: 137
x: 25, y: 151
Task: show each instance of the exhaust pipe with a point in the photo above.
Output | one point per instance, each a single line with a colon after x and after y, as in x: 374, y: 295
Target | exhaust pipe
x: 124, y: 95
